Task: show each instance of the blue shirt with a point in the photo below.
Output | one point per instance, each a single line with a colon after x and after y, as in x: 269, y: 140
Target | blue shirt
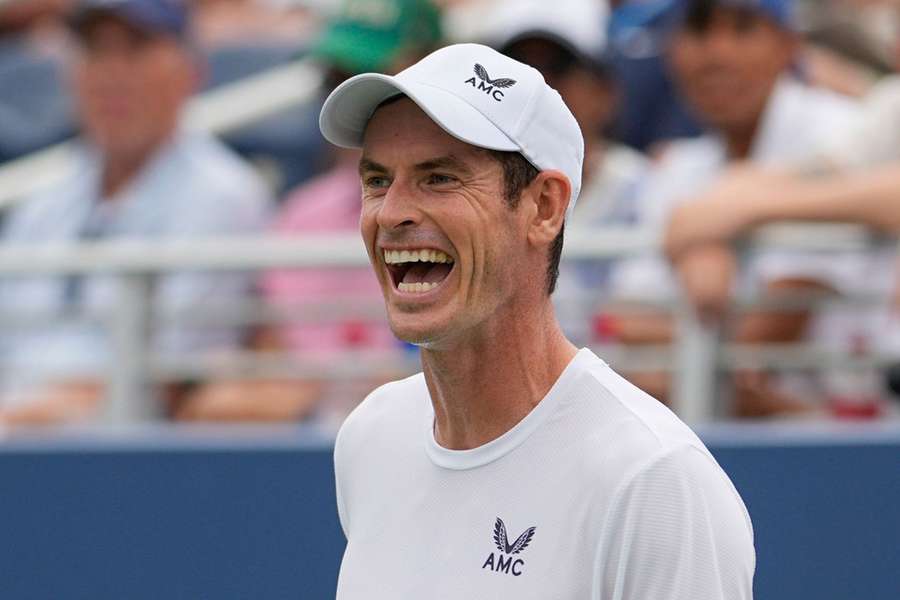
x: 193, y: 187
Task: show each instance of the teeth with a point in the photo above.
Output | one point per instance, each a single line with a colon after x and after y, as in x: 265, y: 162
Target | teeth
x: 416, y: 288
x: 393, y: 257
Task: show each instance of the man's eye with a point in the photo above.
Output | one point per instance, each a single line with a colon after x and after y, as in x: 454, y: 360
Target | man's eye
x: 438, y: 179
x: 377, y: 182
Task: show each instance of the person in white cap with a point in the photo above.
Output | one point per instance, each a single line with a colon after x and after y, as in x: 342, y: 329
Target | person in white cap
x: 515, y: 465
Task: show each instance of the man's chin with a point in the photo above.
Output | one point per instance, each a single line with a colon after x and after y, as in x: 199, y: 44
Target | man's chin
x: 412, y: 334
x: 418, y: 329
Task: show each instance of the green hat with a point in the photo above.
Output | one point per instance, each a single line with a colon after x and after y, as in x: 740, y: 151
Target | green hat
x: 369, y: 35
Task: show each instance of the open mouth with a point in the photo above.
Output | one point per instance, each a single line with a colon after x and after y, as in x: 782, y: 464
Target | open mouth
x: 417, y: 271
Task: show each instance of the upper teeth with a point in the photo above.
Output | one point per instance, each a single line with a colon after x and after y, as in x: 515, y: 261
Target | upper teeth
x: 392, y: 257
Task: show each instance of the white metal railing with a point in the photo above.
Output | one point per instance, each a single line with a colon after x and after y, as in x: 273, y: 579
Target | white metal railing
x: 694, y: 357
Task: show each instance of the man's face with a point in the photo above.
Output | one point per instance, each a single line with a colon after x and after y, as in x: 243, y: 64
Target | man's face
x: 130, y: 86
x: 727, y: 64
x: 425, y: 190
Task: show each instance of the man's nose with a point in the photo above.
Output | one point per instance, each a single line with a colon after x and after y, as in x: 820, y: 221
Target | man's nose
x: 399, y: 208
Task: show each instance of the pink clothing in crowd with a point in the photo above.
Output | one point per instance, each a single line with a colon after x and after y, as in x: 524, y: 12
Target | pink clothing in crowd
x: 328, y: 203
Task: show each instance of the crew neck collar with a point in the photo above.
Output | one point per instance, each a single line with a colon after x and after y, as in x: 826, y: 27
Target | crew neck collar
x: 460, y: 460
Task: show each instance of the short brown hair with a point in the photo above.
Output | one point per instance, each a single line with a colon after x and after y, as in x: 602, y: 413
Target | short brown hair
x: 518, y: 173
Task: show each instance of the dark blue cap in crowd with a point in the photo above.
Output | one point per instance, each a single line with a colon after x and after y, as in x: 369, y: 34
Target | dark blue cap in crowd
x: 151, y: 16
x: 779, y: 11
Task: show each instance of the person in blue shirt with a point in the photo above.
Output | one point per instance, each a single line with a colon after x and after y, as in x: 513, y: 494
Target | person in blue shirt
x: 651, y: 110
x: 136, y: 173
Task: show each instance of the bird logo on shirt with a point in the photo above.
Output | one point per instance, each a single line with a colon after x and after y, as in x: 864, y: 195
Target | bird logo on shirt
x: 502, y: 540
x: 504, y: 562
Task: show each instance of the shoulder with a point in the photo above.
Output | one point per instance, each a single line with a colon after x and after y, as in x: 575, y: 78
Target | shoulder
x: 885, y: 93
x: 208, y: 163
x: 43, y: 212
x: 624, y: 159
x: 208, y: 157
x: 622, y: 427
x: 681, y: 168
x: 826, y: 103
x: 679, y: 513
x: 686, y: 162
x: 680, y: 472
x: 881, y: 108
x: 389, y: 410
x: 215, y: 183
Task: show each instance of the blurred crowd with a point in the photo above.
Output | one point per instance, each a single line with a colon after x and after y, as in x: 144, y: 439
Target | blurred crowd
x: 702, y: 119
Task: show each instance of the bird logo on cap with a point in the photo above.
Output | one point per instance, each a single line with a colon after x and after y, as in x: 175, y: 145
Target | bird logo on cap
x: 500, y: 82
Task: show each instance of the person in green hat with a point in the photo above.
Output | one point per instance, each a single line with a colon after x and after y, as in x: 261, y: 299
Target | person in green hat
x: 379, y: 35
x: 367, y: 35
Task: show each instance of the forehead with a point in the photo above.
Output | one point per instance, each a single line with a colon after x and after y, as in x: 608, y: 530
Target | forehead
x: 109, y: 28
x: 702, y: 16
x: 400, y: 132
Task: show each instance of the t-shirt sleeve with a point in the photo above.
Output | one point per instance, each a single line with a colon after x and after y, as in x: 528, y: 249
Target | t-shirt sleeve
x: 678, y: 530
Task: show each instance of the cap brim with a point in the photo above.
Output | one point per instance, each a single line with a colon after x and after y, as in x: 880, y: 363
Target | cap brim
x: 347, y: 111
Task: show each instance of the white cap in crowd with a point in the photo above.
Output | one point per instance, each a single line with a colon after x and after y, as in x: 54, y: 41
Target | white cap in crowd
x: 578, y: 24
x: 475, y: 94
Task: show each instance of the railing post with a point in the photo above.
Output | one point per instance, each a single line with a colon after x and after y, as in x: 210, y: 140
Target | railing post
x: 127, y: 383
x: 694, y: 383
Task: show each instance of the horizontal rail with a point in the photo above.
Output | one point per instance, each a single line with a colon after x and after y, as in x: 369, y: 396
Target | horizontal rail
x: 239, y: 364
x: 345, y: 250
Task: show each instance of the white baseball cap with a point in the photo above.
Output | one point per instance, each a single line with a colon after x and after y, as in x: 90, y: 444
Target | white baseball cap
x: 475, y: 94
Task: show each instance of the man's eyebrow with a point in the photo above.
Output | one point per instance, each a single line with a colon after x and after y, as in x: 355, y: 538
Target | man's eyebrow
x: 367, y: 166
x: 444, y: 162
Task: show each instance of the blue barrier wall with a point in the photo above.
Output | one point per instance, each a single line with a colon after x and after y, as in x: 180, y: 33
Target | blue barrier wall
x: 202, y: 514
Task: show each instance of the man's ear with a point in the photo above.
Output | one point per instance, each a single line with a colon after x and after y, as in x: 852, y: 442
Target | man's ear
x: 550, y: 193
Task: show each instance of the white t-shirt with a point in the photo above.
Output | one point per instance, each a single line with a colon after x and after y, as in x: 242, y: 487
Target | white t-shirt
x: 873, y: 137
x: 599, y: 492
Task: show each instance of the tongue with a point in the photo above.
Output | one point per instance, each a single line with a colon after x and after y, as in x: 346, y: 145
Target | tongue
x: 427, y: 273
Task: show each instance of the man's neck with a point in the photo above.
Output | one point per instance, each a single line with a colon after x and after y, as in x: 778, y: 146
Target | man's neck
x: 739, y: 139
x: 482, y: 388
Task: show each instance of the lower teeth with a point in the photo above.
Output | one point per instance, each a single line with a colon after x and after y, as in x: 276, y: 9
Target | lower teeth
x: 416, y: 287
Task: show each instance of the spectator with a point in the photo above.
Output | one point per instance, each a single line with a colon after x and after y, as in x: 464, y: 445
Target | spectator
x: 378, y: 35
x: 137, y: 174
x: 732, y: 62
x: 566, y: 43
x: 651, y: 110
x: 855, y: 178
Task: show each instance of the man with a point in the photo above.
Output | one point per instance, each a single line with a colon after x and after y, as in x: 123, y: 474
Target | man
x: 853, y: 178
x: 361, y: 38
x: 515, y: 465
x: 138, y: 174
x: 732, y: 62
